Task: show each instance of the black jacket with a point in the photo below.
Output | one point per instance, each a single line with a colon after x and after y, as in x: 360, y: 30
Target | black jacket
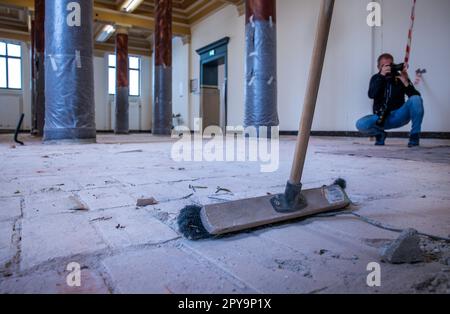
x: 377, y: 92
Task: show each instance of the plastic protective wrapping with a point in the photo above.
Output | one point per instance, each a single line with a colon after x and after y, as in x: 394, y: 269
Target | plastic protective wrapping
x: 261, y: 75
x: 39, y: 94
x: 162, y: 104
x: 122, y: 111
x: 69, y: 77
x: 38, y: 69
x: 122, y: 85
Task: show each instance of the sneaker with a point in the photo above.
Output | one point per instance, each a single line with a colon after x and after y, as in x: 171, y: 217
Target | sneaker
x: 414, y: 140
x: 380, y: 139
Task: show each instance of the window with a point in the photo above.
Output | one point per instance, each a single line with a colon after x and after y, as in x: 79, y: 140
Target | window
x: 134, y: 64
x: 10, y: 66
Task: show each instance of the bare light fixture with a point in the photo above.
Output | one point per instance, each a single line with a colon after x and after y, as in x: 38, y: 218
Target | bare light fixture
x: 106, y: 33
x: 130, y: 5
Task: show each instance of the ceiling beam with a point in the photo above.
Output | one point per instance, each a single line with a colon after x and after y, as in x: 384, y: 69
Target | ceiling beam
x: 210, y: 8
x: 104, y: 47
x: 134, y: 20
x: 15, y: 35
x: 240, y: 5
x: 235, y: 2
x: 29, y: 4
x: 105, y: 14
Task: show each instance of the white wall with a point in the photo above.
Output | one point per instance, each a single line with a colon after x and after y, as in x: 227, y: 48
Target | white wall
x: 343, y: 94
x: 180, y: 77
x: 349, y: 63
x: 146, y: 93
x: 12, y: 102
x: 102, y: 108
x: 225, y: 23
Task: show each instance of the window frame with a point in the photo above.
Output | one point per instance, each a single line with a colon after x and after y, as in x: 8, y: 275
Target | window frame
x: 129, y: 71
x: 115, y: 74
x: 138, y: 69
x: 7, y: 57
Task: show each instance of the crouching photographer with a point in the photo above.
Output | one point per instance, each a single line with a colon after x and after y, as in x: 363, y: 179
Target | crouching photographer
x: 389, y: 89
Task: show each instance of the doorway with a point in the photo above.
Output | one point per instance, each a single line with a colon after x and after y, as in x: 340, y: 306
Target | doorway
x: 213, y: 90
x: 213, y: 84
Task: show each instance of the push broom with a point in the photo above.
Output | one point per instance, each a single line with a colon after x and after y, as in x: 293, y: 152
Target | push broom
x: 218, y: 219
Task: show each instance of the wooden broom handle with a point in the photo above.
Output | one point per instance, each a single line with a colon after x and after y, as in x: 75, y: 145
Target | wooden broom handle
x: 318, y: 57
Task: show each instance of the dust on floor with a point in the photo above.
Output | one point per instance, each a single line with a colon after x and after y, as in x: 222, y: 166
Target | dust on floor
x: 68, y: 205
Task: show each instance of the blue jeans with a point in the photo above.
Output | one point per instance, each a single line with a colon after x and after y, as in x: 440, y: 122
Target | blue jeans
x: 412, y: 111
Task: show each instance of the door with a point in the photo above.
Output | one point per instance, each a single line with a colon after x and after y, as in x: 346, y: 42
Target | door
x: 213, y: 83
x: 213, y: 104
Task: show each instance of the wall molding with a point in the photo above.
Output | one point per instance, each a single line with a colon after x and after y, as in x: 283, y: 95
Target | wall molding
x: 425, y: 135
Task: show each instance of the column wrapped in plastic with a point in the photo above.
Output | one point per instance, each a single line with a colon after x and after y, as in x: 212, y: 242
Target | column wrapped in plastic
x: 162, y: 80
x: 261, y: 74
x: 39, y: 93
x: 122, y: 85
x: 122, y: 111
x: 69, y: 76
x: 39, y: 69
x: 162, y: 106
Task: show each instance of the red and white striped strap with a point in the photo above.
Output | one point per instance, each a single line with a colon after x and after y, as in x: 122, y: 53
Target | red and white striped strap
x: 410, y: 34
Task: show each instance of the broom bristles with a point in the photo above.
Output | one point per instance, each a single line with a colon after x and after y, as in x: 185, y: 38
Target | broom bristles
x: 341, y: 182
x: 190, y: 223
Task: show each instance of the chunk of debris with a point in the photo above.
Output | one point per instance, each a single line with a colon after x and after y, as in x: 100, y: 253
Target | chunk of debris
x: 75, y: 204
x: 437, y: 283
x: 195, y: 188
x: 446, y: 261
x: 354, y: 258
x: 131, y: 151
x: 295, y: 266
x: 162, y: 216
x: 101, y: 219
x: 405, y: 250
x: 50, y: 189
x: 321, y: 252
x: 220, y: 189
x: 143, y: 202
x: 187, y: 196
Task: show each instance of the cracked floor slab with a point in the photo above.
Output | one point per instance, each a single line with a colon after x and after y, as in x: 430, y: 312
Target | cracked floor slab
x: 7, y: 249
x: 55, y: 282
x: 169, y: 270
x: 10, y: 208
x: 125, y: 227
x: 57, y: 236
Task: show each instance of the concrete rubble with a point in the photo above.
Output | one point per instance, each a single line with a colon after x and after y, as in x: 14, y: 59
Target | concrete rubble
x: 438, y: 283
x: 405, y: 249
